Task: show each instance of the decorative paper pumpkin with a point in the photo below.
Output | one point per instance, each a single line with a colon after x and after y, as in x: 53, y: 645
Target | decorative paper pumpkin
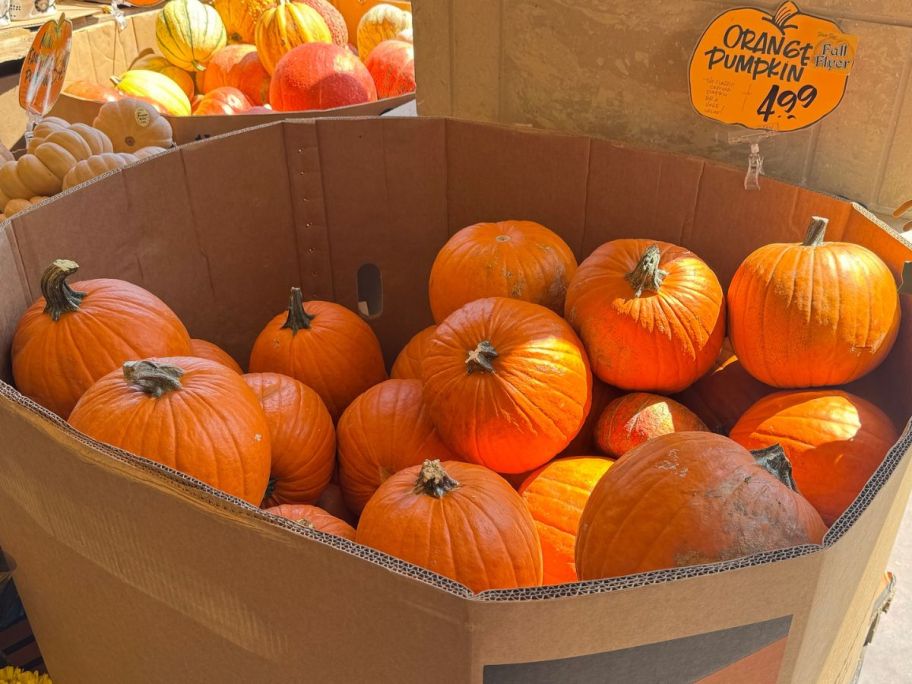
x: 152, y: 62
x: 659, y: 507
x: 383, y: 431
x: 94, y: 166
x: 634, y: 418
x: 407, y: 365
x: 76, y: 333
x: 456, y: 519
x: 834, y: 440
x: 155, y: 88
x: 202, y: 349
x: 381, y: 22
x: 132, y: 124
x: 506, y: 383
x: 320, y: 76
x: 333, y: 18
x: 225, y: 100
x: 315, y: 518
x: 518, y: 259
x: 237, y: 66
x: 188, y: 32
x: 286, y: 26
x: 392, y: 66
x: 556, y: 495
x: 193, y: 415
x: 584, y: 442
x: 813, y: 314
x: 325, y: 346
x: 651, y: 314
x: 302, y: 435
x: 94, y: 92
x: 240, y: 17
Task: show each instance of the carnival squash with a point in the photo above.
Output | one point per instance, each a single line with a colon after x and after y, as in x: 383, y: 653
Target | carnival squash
x: 188, y: 32
x: 284, y: 27
x: 156, y: 89
x: 153, y: 62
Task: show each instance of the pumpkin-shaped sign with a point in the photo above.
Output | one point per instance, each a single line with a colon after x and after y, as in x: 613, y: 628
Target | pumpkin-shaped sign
x: 43, y: 71
x: 781, y: 71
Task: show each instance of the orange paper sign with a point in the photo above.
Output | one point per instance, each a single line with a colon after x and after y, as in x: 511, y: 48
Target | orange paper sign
x: 45, y: 67
x: 780, y: 72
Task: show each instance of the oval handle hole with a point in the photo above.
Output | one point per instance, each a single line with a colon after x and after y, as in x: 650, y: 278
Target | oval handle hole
x: 370, y: 291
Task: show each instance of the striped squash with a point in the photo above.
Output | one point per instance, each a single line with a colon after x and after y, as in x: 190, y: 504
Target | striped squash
x: 286, y: 26
x: 188, y: 32
x: 156, y: 89
x: 240, y: 17
x: 163, y: 66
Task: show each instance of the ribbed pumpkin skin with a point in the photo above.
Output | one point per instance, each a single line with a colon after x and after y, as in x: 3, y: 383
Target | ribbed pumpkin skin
x: 657, y: 342
x: 155, y: 88
x: 381, y: 22
x: 240, y: 17
x: 479, y: 534
x: 383, y: 431
x: 584, y: 442
x: 302, y: 435
x: 132, y: 125
x: 407, y: 365
x: 320, y: 76
x: 212, y: 428
x: 556, y: 495
x: 162, y: 66
x: 315, y: 516
x: 225, y: 101
x: 810, y: 316
x: 237, y: 66
x: 202, y: 349
x: 96, y: 165
x: 835, y: 441
x: 686, y: 499
x: 188, y: 32
x: 520, y: 415
x: 392, y: 66
x: 518, y: 259
x: 286, y: 26
x: 634, y: 418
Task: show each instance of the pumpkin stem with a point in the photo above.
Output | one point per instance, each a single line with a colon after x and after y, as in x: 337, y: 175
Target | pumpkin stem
x: 152, y: 377
x: 774, y: 461
x: 59, y: 297
x: 304, y: 522
x: 647, y: 275
x: 433, y: 480
x: 786, y: 11
x: 297, y: 317
x: 816, y: 231
x: 479, y: 359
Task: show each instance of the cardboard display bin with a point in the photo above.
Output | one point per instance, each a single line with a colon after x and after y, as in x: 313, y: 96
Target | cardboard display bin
x: 131, y: 572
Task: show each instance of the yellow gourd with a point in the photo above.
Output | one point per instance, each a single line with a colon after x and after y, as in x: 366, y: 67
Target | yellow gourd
x: 381, y: 22
x: 155, y: 88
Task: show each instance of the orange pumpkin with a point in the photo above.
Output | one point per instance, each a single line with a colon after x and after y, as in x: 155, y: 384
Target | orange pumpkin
x: 383, y: 431
x: 456, y: 519
x: 285, y: 26
x: 834, y: 440
x: 556, y: 495
x: 94, y: 92
x: 634, y: 418
x: 332, y: 501
x: 222, y: 101
x: 76, y: 333
x: 651, y: 314
x: 506, y: 383
x: 315, y: 518
x: 812, y: 314
x: 659, y: 507
x: 237, y: 66
x: 392, y: 66
x: 302, y: 435
x: 190, y: 414
x: 408, y: 364
x: 319, y: 76
x: 325, y: 346
x: 240, y: 17
x: 518, y: 259
x: 584, y: 442
x: 202, y: 349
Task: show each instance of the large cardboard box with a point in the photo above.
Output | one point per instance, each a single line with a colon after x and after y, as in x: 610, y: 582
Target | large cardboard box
x: 131, y: 572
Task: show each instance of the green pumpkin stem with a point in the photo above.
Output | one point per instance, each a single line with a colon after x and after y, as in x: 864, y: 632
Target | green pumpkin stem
x: 774, y: 461
x: 434, y: 481
x: 816, y: 231
x: 59, y: 297
x: 152, y: 377
x: 480, y: 358
x: 298, y: 319
x: 647, y: 275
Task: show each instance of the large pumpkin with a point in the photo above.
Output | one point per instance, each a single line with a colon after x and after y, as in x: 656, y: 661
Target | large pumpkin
x: 383, y: 431
x: 634, y: 418
x: 193, y: 415
x: 812, y: 314
x: 381, y: 22
x: 188, y: 32
x: 408, y: 363
x: 651, y: 314
x: 132, y: 125
x: 202, y: 349
x: 518, y: 259
x: 556, y: 495
x: 153, y: 62
x: 325, y: 346
x: 456, y: 519
x: 392, y: 66
x: 507, y: 384
x: 659, y: 506
x: 320, y: 76
x: 76, y: 333
x: 156, y: 89
x: 286, y: 26
x: 302, y: 435
x: 315, y: 518
x: 240, y: 17
x: 834, y: 440
x: 237, y: 66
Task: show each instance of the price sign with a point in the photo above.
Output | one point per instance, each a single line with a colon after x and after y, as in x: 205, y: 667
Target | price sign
x: 779, y: 72
x: 45, y: 66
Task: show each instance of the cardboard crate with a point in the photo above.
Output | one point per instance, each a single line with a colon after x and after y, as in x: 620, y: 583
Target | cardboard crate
x: 177, y: 582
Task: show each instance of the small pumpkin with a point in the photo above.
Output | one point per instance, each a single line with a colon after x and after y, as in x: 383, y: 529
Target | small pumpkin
x: 193, y: 415
x: 407, y: 365
x: 43, y: 129
x: 132, y: 124
x: 286, y: 26
x: 584, y: 441
x: 202, y: 349
x: 459, y: 520
x: 13, y: 207
x: 188, y: 32
x: 518, y: 259
x: 91, y: 91
x: 667, y: 490
x: 222, y: 101
x: 556, y: 494
x: 353, y: 10
x: 153, y: 62
x: 651, y: 314
x: 75, y: 333
x: 392, y: 66
x: 319, y: 76
x: 834, y: 439
x: 381, y: 22
x: 303, y: 438
x: 156, y: 89
x: 506, y: 383
x: 325, y: 346
x: 96, y: 165
x: 332, y: 501
x: 315, y: 518
x: 383, y: 431
x: 240, y: 17
x: 634, y: 418
x: 237, y: 66
x: 812, y: 314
